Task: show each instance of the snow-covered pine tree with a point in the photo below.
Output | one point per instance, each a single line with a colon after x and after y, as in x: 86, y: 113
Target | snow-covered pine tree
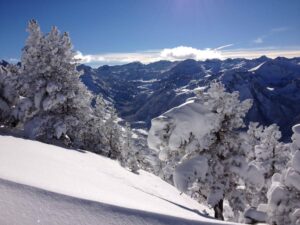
x: 284, y: 193
x: 129, y: 153
x: 224, y: 153
x: 9, y: 96
x: 58, y: 103
x: 269, y: 155
x: 202, y: 142
x: 113, y: 135
x: 252, y: 138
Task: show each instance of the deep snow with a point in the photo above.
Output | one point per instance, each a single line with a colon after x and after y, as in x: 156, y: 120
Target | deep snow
x: 25, y: 205
x: 78, y: 187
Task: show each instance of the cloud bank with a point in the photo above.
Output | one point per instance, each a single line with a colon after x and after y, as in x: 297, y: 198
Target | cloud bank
x: 171, y: 54
x: 182, y: 53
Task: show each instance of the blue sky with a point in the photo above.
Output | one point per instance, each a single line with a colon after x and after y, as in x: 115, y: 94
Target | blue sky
x: 120, y: 31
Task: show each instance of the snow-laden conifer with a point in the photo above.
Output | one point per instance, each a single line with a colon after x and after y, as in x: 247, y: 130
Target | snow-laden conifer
x: 268, y: 154
x: 129, y: 152
x: 9, y: 95
x: 202, y: 149
x: 284, y: 193
x: 58, y: 105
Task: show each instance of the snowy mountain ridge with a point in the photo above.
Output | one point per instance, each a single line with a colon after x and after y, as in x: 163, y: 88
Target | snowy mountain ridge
x: 142, y: 92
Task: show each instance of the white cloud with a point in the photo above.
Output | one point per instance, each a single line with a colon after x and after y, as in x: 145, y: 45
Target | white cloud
x: 171, y: 54
x: 182, y: 53
x: 119, y: 58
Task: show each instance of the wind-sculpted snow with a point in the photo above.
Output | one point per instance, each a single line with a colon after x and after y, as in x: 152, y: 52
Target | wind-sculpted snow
x: 84, y: 188
x: 186, y: 170
x: 178, y: 123
x: 21, y: 204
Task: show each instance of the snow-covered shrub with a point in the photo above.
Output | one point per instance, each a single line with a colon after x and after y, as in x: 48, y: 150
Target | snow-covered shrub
x: 201, y: 146
x: 284, y: 193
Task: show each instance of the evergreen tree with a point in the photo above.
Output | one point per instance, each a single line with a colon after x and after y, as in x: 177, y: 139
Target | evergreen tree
x: 129, y: 152
x: 113, y: 136
x: 58, y: 105
x: 284, y: 193
x: 59, y: 101
x: 209, y: 160
x: 270, y: 156
x: 9, y: 96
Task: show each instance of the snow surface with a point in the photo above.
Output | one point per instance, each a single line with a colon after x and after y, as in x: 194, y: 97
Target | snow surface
x: 90, y: 184
x: 146, y: 81
x: 141, y: 131
x: 178, y: 121
x: 270, y: 88
x: 186, y: 90
x: 296, y: 135
x: 184, y: 171
x: 252, y: 214
x: 256, y: 67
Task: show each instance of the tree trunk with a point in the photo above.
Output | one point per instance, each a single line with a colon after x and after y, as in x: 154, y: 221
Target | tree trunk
x: 218, y: 208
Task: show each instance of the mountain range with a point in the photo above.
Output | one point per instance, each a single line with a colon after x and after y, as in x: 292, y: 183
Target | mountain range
x: 141, y: 92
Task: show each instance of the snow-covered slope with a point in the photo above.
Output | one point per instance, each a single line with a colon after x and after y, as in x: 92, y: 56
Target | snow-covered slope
x: 91, y: 187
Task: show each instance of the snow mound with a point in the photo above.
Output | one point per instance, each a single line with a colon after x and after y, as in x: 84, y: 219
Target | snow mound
x: 296, y: 128
x: 176, y: 126
x: 88, y: 176
x: 184, y: 172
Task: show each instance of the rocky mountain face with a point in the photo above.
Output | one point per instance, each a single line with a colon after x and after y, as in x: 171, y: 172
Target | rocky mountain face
x: 141, y: 92
x: 3, y: 63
